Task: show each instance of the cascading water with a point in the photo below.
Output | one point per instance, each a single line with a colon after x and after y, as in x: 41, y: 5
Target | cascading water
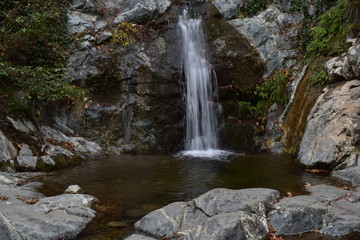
x: 202, y: 107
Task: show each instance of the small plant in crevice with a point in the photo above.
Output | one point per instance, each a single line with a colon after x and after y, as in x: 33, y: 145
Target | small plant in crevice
x: 273, y: 90
x: 124, y: 33
x: 319, y: 77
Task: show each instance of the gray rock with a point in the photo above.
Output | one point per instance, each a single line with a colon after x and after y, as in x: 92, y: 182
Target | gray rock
x: 327, y: 210
x: 351, y: 174
x: 217, y: 214
x: 73, y: 189
x: 27, y: 161
x: 53, y: 151
x: 332, y: 126
x: 266, y: 32
x: 48, y: 160
x: 78, y: 22
x: 25, y: 151
x: 7, y: 149
x: 26, y: 214
x: 85, y: 5
x: 139, y: 237
x: 346, y: 66
x: 103, y: 37
x: 19, y: 125
x: 229, y: 9
x: 143, y: 11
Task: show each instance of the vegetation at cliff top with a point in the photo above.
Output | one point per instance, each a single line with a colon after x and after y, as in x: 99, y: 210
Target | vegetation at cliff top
x: 33, y: 52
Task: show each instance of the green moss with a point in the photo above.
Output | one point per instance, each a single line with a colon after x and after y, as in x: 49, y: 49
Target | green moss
x: 305, y: 98
x: 124, y: 33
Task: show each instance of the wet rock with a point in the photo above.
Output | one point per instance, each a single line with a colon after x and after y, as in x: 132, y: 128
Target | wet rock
x: 329, y: 210
x: 217, y: 214
x: 138, y: 237
x: 266, y: 32
x: 346, y: 66
x: 332, y: 127
x: 20, y: 126
x: 229, y: 9
x: 48, y: 160
x: 72, y: 189
x: 7, y: 149
x: 52, y: 150
x: 351, y: 174
x: 27, y: 162
x: 26, y: 214
x: 25, y: 150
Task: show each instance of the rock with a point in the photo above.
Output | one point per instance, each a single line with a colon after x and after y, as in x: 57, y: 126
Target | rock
x: 52, y: 151
x: 143, y: 12
x: 229, y: 9
x: 351, y: 174
x: 329, y: 210
x: 266, y: 32
x: 346, y: 66
x: 103, y: 37
x: 20, y: 126
x: 7, y: 149
x: 26, y: 214
x: 116, y: 224
x: 73, y: 189
x: 139, y: 237
x: 217, y: 214
x: 84, y: 5
x: 78, y: 22
x: 332, y: 128
x: 25, y: 151
x: 27, y: 162
x: 48, y: 160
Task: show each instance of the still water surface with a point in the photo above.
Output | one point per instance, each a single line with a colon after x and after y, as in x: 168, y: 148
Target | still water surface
x: 130, y: 186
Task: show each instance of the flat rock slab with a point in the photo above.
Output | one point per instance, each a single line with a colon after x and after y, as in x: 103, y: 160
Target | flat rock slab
x: 27, y: 214
x: 327, y: 210
x: 217, y: 214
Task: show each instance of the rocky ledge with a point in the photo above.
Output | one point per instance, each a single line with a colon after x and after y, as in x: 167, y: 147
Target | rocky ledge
x: 27, y: 214
x: 255, y: 213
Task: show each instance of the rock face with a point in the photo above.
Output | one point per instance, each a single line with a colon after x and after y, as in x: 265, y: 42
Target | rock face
x: 349, y: 169
x: 329, y: 210
x: 229, y: 9
x: 346, y: 66
x: 332, y: 128
x: 7, y: 149
x: 26, y: 214
x: 217, y: 214
x: 274, y: 34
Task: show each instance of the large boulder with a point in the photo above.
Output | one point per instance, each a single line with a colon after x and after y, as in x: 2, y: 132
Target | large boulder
x: 7, y: 149
x: 229, y: 9
x: 27, y: 214
x: 332, y: 130
x: 275, y: 34
x: 217, y: 214
x: 327, y: 210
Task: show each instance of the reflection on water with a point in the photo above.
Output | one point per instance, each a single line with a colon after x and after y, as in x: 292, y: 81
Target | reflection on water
x: 129, y: 186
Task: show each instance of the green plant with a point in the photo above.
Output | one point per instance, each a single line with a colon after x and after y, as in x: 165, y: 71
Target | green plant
x: 319, y: 77
x: 352, y: 11
x: 124, y: 33
x: 329, y: 35
x: 273, y: 90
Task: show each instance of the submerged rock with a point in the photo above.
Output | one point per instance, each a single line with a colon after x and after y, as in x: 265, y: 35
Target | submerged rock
x: 332, y: 129
x: 217, y: 214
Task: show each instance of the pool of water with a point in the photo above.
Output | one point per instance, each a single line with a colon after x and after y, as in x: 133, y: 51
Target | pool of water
x: 130, y: 186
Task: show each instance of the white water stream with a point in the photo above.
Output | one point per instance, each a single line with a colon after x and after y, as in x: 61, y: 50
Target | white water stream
x: 202, y: 107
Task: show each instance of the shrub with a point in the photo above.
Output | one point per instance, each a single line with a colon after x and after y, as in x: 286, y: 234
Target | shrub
x: 124, y: 33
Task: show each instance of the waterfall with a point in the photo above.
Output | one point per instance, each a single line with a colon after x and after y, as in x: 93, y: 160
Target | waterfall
x: 202, y: 107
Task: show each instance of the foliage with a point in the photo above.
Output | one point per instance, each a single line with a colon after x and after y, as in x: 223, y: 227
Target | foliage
x: 124, y: 33
x: 328, y: 37
x: 41, y: 84
x: 273, y: 90
x: 253, y: 7
x: 352, y: 11
x: 319, y: 77
x: 33, y: 45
